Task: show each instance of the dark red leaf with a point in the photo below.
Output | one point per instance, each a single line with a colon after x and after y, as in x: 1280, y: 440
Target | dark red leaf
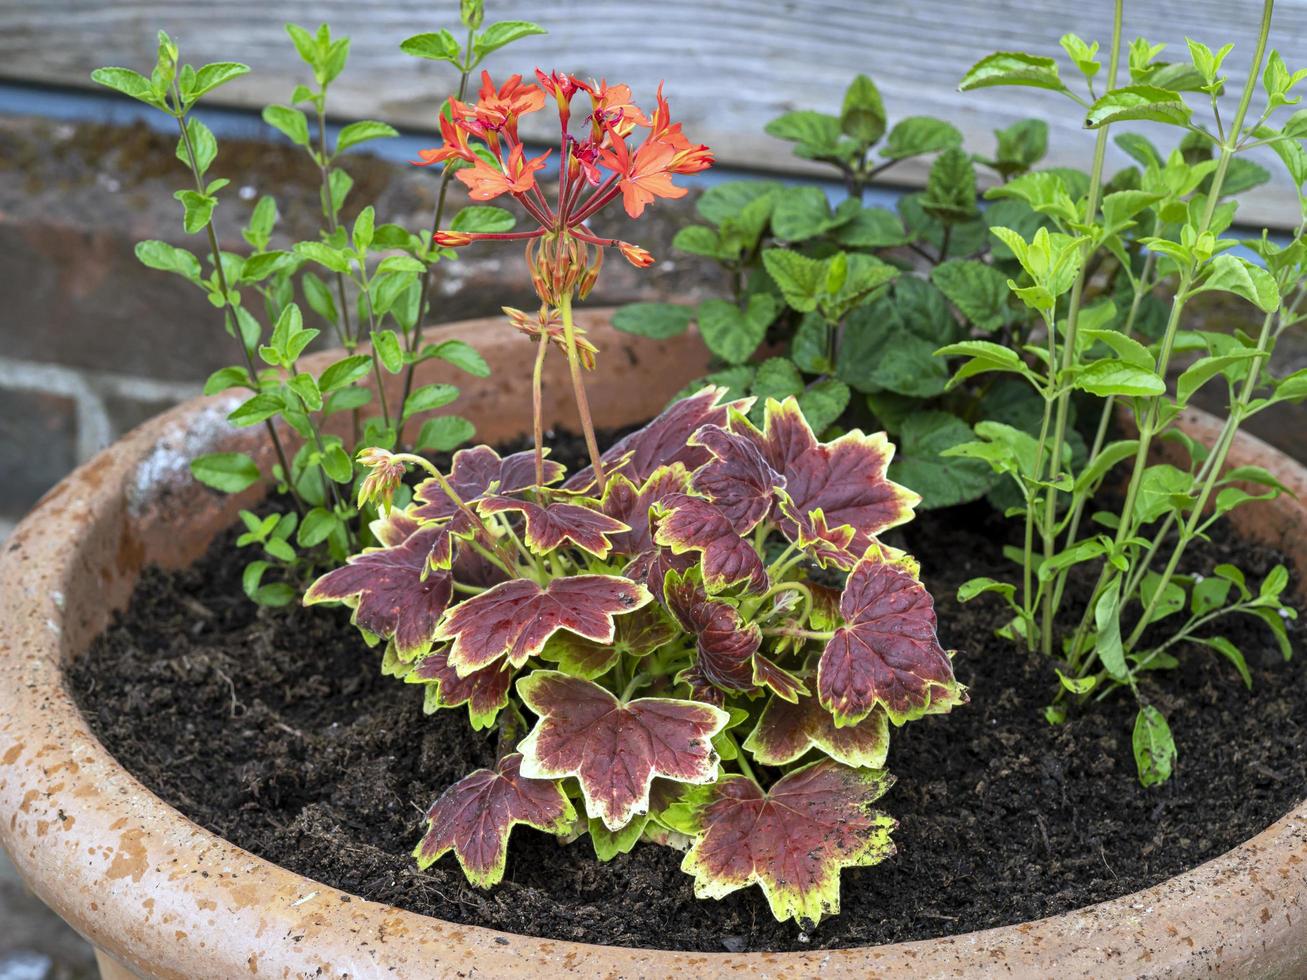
x: 725, y: 644
x: 845, y: 479
x: 665, y: 440
x: 394, y: 528
x: 793, y: 840
x: 652, y: 567
x: 886, y: 652
x: 484, y: 691
x: 615, y: 749
x: 477, y: 472
x: 828, y: 547
x: 473, y: 818
x: 399, y: 593
x: 515, y: 619
x: 549, y: 525
x: 737, y: 479
x: 625, y: 502
x: 687, y: 523
x: 638, y: 634
x: 786, y: 731
x: 767, y: 673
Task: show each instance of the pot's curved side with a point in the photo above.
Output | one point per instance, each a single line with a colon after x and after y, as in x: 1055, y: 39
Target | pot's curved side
x: 168, y: 899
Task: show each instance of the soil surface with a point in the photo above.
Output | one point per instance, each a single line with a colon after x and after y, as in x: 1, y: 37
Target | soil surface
x: 275, y: 729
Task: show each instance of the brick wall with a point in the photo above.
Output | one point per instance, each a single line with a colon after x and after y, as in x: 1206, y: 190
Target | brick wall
x: 93, y: 343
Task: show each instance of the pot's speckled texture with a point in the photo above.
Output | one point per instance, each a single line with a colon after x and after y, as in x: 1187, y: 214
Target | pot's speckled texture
x: 168, y: 899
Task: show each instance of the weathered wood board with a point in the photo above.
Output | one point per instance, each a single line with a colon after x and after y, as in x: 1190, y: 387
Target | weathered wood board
x: 730, y: 65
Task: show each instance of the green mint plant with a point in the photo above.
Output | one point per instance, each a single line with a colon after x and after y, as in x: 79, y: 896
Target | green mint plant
x: 1161, y: 223
x: 658, y: 652
x: 828, y: 303
x: 371, y: 273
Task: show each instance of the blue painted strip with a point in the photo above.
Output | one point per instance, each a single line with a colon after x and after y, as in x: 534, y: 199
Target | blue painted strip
x: 77, y: 105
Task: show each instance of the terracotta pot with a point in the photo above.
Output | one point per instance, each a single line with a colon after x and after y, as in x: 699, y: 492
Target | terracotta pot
x: 160, y: 897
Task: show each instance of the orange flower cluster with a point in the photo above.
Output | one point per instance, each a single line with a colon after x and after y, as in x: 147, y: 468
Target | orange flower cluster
x: 485, y: 137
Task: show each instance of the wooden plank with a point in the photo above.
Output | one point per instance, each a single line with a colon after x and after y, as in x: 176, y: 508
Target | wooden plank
x: 730, y: 65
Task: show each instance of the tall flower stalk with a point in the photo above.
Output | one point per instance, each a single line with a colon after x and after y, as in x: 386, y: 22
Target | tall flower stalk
x: 563, y: 254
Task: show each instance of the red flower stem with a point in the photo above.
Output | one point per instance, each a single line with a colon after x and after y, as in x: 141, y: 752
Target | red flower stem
x: 537, y: 406
x: 531, y: 209
x: 596, y: 202
x: 505, y: 236
x: 564, y: 182
x: 578, y: 388
x: 587, y: 237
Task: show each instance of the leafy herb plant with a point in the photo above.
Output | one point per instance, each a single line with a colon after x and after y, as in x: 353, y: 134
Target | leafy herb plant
x: 365, y: 282
x: 844, y: 308
x: 1162, y: 222
x: 694, y: 675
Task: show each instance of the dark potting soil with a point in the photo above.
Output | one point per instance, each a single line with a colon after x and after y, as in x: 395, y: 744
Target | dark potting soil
x: 274, y: 729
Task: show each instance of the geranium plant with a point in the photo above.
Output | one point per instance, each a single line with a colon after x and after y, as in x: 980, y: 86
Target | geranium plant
x: 1162, y: 222
x: 710, y: 646
x: 697, y: 639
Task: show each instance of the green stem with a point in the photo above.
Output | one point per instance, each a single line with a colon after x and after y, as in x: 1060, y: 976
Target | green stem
x: 578, y: 389
x: 416, y: 333
x: 638, y: 680
x: 740, y: 756
x: 1148, y: 424
x: 1063, y: 398
x: 376, y: 361
x: 537, y: 409
x: 229, y: 311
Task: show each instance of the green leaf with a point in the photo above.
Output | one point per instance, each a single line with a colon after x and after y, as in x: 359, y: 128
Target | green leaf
x: 444, y: 434
x: 227, y: 378
x: 341, y: 182
x: 1162, y: 489
x: 610, y: 843
x: 440, y: 46
x: 1113, y: 376
x: 728, y: 200
x: 1239, y: 276
x: 1019, y: 146
x: 387, y: 347
x: 264, y: 264
x: 318, y: 525
x: 816, y: 133
x: 1153, y: 746
x: 228, y: 472
x: 804, y: 212
x: 198, y: 209
x: 872, y: 358
x: 700, y: 240
x: 168, y: 258
x: 734, y: 334
x: 261, y: 407
x: 307, y: 389
x: 319, y: 297
x: 951, y: 188
x: 656, y: 320
x: 203, y: 143
x: 483, y: 219
x: 941, y: 481
x: 862, y: 116
x: 801, y: 280
x: 776, y: 378
x: 461, y: 354
x: 871, y: 228
x: 288, y: 121
x: 505, y: 32
x: 1204, y: 369
x: 1231, y: 653
x: 364, y: 225
x: 978, y: 290
x: 1077, y: 685
x: 211, y: 76
x: 324, y: 255
x: 1146, y: 103
x: 429, y: 397
x: 362, y: 131
x: 1013, y: 68
x: 824, y: 402
x: 1107, y: 621
x: 337, y: 464
x: 262, y: 220
x: 127, y: 82
x: 916, y: 135
x: 400, y: 263
x: 344, y: 372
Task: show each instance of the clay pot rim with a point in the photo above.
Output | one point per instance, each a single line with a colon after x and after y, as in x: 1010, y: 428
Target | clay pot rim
x: 233, y: 910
